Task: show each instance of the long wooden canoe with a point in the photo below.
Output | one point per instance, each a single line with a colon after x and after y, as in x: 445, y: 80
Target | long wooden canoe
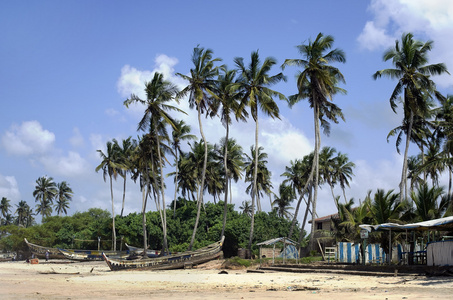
x: 138, y: 251
x: 40, y: 251
x: 88, y: 255
x: 174, y: 261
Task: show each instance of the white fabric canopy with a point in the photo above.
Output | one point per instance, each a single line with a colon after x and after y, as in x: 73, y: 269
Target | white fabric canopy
x: 437, y: 224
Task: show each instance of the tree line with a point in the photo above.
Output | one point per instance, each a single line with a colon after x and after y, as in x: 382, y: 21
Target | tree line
x: 84, y: 230
x: 48, y: 194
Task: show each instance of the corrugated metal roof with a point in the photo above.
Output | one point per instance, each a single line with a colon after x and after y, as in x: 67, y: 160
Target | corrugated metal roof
x: 276, y: 240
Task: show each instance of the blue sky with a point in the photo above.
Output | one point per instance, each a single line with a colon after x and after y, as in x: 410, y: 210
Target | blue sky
x: 67, y: 66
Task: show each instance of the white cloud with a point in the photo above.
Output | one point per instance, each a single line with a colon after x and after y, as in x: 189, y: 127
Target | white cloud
x: 71, y: 165
x: 28, y: 139
x: 132, y: 80
x: 283, y: 142
x: 373, y: 37
x: 427, y: 19
x: 77, y: 139
x: 9, y: 188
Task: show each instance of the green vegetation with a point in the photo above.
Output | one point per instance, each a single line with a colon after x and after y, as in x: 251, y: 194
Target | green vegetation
x: 83, y: 229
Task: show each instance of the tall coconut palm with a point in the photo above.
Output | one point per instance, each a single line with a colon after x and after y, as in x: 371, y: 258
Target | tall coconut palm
x: 63, y: 196
x: 21, y: 210
x: 283, y: 201
x: 159, y: 93
x: 343, y: 171
x: 188, y: 175
x: 44, y: 193
x: 110, y: 167
x: 254, y: 82
x: 297, y: 175
x: 318, y: 82
x: 5, y: 206
x: 410, y: 58
x: 444, y: 131
x: 125, y: 154
x: 327, y: 166
x: 235, y: 160
x: 227, y: 100
x: 263, y: 175
x: 181, y: 132
x: 200, y: 90
x: 141, y: 170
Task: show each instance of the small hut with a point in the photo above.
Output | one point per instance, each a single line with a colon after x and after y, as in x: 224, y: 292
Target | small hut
x: 288, y: 251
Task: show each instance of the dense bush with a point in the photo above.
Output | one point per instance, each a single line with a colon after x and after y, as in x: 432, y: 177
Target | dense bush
x: 83, y: 229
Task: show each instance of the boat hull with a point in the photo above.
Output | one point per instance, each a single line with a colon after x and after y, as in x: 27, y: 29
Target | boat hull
x: 91, y: 255
x: 40, y: 251
x: 175, y: 261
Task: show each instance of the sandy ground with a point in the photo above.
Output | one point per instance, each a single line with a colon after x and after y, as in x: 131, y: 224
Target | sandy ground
x: 93, y: 280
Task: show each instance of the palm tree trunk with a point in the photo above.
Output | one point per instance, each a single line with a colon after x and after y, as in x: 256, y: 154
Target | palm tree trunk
x: 162, y: 190
x: 124, y: 194
x: 176, y: 184
x: 144, y: 200
x: 203, y: 174
x: 113, y: 217
x: 225, y: 163
x: 333, y: 196
x: 296, y: 212
x: 403, y: 183
x: 316, y: 163
x: 305, y: 218
x: 254, y: 191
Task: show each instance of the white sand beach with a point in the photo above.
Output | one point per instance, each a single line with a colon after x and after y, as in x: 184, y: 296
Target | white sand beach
x: 94, y: 280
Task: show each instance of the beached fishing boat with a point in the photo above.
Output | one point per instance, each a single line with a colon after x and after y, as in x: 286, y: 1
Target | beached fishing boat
x: 174, y: 261
x: 40, y: 251
x: 139, y: 251
x: 88, y: 255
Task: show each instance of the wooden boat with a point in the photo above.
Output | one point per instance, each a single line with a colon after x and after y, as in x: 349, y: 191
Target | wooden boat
x: 40, y: 251
x: 88, y: 255
x: 138, y: 251
x: 174, y: 261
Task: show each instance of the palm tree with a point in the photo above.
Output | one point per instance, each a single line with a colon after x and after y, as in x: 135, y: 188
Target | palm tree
x: 200, y: 90
x: 283, y: 201
x: 385, y: 207
x: 428, y: 202
x: 21, y: 211
x: 110, y: 167
x: 187, y: 176
x: 444, y: 131
x: 343, y: 171
x: 246, y: 208
x: 327, y: 168
x: 229, y: 100
x: 235, y: 160
x: 318, y: 83
x: 159, y: 93
x: 297, y: 175
x: 141, y: 166
x: 125, y: 154
x: 63, y: 196
x: 263, y: 175
x: 254, y: 82
x: 180, y: 133
x: 5, y: 206
x: 44, y: 193
x: 410, y: 58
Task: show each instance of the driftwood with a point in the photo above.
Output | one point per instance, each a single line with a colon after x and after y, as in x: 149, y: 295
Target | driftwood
x: 60, y: 273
